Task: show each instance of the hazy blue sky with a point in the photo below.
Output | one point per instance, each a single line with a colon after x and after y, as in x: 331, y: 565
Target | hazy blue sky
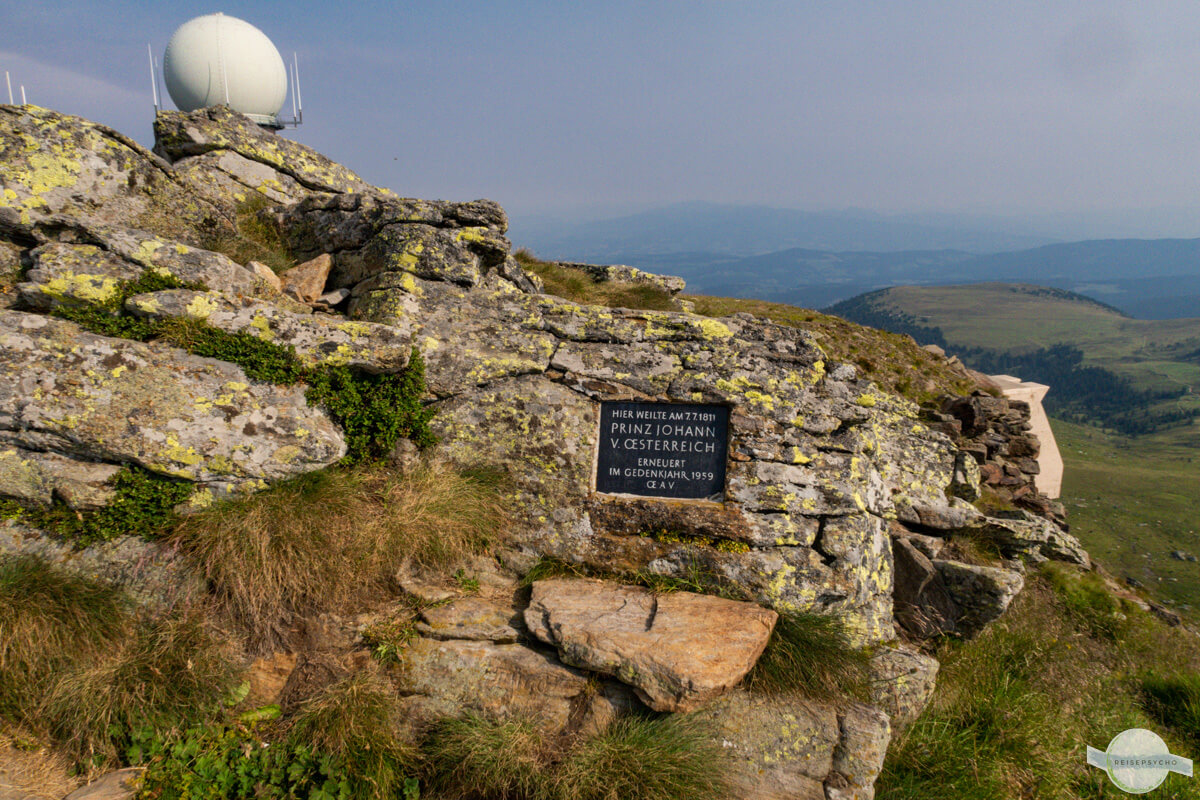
x: 1000, y: 107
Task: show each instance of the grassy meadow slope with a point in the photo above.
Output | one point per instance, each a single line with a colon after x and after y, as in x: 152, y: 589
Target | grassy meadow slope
x: 1020, y: 317
x: 1133, y: 376
x: 1132, y: 501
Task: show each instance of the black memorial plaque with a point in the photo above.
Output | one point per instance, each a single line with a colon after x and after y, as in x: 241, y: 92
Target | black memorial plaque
x: 663, y: 450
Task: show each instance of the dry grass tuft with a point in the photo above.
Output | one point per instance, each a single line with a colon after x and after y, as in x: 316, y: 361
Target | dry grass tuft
x: 651, y: 758
x: 79, y: 666
x: 580, y: 287
x: 50, y: 621
x: 812, y: 654
x: 172, y: 671
x: 325, y: 540
x: 354, y: 721
x: 478, y: 758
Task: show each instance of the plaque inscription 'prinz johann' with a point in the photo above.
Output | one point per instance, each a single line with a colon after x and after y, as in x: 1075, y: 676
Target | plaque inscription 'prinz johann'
x: 663, y: 450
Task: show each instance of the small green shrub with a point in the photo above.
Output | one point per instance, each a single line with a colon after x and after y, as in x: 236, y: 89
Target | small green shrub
x: 375, y: 411
x: 811, y: 654
x: 226, y: 761
x: 674, y: 757
x: 260, y: 359
x: 479, y: 758
x: 142, y: 506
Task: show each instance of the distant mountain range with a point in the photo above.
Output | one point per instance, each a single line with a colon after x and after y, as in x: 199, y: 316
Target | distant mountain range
x: 815, y: 259
x: 750, y: 230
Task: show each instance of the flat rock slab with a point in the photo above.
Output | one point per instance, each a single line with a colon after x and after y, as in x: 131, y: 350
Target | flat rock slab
x: 101, y: 399
x: 470, y: 618
x: 677, y: 650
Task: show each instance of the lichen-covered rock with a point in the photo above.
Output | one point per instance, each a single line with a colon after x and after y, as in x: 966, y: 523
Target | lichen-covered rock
x: 226, y: 178
x: 902, y: 683
x: 53, y: 163
x: 179, y: 135
x: 981, y: 593
x: 445, y: 678
x: 921, y: 601
x: 795, y: 748
x: 678, y: 650
x: 1034, y: 537
x: 319, y: 339
x: 858, y: 757
x: 37, y: 479
x: 74, y: 274
x: 151, y: 574
x: 72, y: 392
x: 183, y: 262
x: 466, y: 338
x: 624, y: 274
x: 474, y: 618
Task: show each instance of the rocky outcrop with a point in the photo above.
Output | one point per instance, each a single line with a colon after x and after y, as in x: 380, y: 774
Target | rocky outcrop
x: 113, y: 400
x: 996, y: 432
x: 678, y: 650
x: 839, y: 498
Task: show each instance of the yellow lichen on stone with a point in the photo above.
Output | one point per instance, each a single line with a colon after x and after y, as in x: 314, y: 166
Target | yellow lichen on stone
x: 98, y: 289
x: 200, y: 499
x: 867, y: 400
x: 715, y: 330
x: 201, y: 307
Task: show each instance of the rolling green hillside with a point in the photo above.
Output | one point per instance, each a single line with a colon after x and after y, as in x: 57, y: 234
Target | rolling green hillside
x: 1132, y: 502
x: 1136, y: 376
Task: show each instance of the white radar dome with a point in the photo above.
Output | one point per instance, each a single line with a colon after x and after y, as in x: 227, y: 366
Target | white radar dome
x: 218, y: 59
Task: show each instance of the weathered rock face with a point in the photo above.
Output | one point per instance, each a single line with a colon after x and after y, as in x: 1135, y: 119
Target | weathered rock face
x: 52, y: 164
x: 70, y: 392
x: 679, y: 650
x: 794, y: 748
x: 838, y: 499
x: 245, y: 159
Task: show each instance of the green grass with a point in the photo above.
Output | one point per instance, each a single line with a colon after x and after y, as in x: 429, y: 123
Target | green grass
x: 1131, y: 501
x: 1174, y: 701
x: 811, y: 654
x: 645, y: 757
x: 580, y: 287
x: 1018, y: 318
x: 80, y: 667
x: 1016, y: 706
x: 331, y: 539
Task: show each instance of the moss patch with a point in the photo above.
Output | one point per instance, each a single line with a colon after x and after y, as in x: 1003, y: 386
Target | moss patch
x: 143, y: 506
